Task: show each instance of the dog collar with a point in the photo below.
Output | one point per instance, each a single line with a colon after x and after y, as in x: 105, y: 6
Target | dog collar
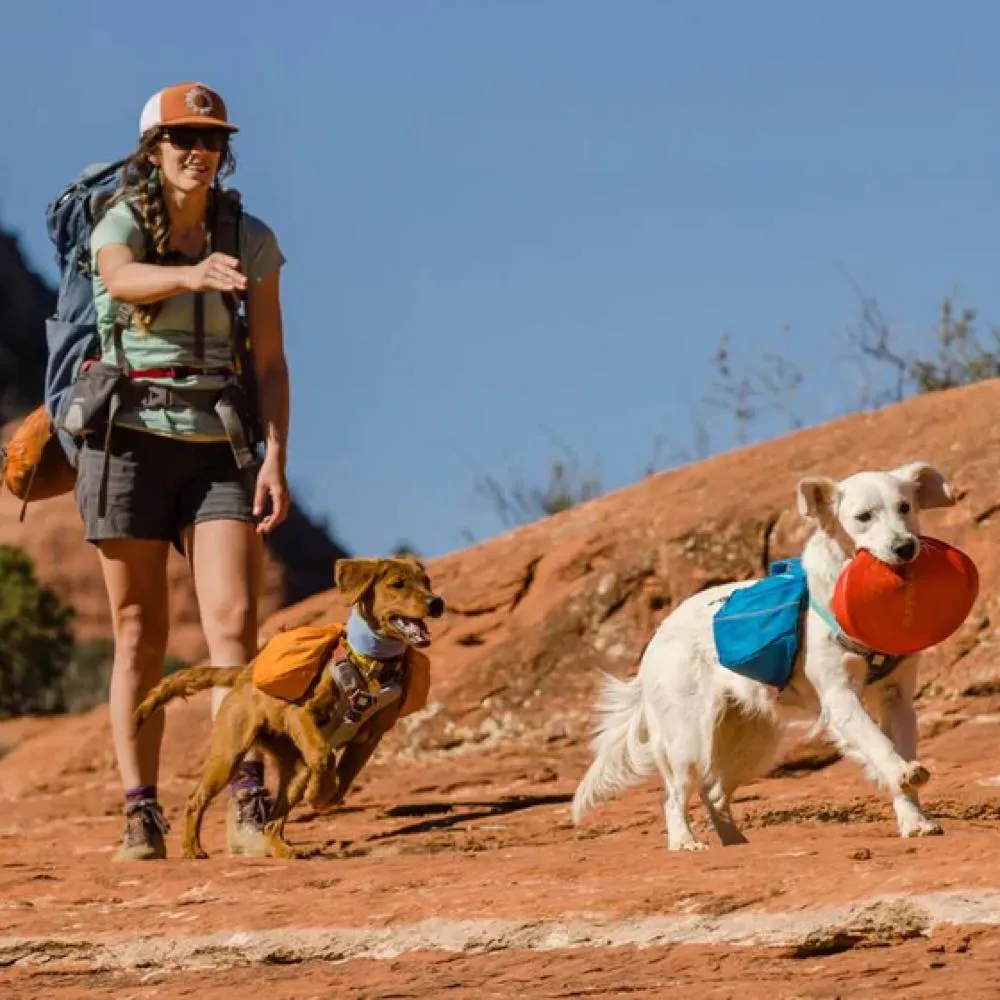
x: 361, y: 658
x: 369, y: 644
x: 879, y: 664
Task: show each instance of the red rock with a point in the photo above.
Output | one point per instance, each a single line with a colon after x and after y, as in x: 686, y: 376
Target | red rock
x: 458, y: 835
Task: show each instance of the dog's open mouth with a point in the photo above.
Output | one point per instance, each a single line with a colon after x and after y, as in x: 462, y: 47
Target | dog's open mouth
x: 413, y: 630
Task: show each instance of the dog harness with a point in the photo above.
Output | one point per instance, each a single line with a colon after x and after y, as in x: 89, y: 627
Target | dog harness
x: 879, y: 665
x: 368, y: 669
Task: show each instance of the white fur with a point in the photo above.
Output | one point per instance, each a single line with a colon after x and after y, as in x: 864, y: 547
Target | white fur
x: 710, y: 730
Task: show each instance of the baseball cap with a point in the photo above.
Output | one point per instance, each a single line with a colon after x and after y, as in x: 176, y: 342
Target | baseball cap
x: 185, y: 104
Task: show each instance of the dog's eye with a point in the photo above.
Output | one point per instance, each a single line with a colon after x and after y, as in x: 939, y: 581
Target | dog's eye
x: 398, y: 584
x: 904, y: 508
x: 864, y: 517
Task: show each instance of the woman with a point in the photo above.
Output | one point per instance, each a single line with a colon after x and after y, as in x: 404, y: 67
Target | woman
x: 172, y: 476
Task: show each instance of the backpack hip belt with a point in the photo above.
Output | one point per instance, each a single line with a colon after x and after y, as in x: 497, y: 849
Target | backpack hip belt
x: 177, y: 371
x: 228, y: 403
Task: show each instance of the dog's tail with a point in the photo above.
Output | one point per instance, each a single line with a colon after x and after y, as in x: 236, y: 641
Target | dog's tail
x: 182, y: 684
x: 621, y: 745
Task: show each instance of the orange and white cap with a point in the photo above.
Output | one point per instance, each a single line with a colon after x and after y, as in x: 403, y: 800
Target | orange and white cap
x: 185, y: 104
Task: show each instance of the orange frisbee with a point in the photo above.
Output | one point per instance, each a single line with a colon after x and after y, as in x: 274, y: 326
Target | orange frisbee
x: 903, y: 609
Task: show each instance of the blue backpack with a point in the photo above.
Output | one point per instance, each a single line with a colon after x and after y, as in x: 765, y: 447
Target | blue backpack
x: 71, y: 332
x: 757, y: 629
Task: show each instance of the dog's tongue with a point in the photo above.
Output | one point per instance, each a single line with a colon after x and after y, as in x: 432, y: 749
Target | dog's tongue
x: 414, y: 629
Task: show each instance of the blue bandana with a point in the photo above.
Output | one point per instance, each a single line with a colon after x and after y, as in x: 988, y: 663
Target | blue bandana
x: 365, y: 640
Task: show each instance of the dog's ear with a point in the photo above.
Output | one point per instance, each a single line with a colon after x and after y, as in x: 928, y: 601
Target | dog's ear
x: 410, y: 559
x: 355, y: 576
x: 933, y: 490
x: 816, y: 496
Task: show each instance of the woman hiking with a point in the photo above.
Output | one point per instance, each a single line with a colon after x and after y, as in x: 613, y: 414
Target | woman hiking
x: 167, y: 473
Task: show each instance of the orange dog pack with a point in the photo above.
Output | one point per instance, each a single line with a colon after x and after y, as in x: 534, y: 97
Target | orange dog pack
x: 292, y: 659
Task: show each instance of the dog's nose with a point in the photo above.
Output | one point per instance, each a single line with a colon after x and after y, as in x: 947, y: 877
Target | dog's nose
x: 905, y: 550
x: 435, y: 607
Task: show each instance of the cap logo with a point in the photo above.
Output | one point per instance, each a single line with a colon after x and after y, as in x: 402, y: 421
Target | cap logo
x: 199, y: 101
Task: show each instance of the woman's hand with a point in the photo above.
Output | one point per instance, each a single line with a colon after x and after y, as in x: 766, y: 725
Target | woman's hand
x: 217, y: 272
x: 271, y: 485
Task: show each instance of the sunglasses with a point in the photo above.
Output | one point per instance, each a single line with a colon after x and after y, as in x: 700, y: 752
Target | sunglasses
x: 214, y: 140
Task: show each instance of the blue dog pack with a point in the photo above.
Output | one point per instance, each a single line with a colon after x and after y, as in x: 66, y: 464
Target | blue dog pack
x: 757, y: 628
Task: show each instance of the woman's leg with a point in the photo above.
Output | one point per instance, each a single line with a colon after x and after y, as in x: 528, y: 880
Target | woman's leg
x: 226, y: 559
x: 135, y: 577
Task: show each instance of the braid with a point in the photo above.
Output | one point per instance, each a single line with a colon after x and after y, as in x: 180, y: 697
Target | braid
x: 141, y: 187
x: 153, y: 212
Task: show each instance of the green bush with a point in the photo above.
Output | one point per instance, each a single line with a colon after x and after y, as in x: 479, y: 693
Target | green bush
x: 36, y: 639
x: 84, y: 683
x: 43, y: 670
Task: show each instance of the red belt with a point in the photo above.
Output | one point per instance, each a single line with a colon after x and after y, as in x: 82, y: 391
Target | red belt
x: 176, y: 371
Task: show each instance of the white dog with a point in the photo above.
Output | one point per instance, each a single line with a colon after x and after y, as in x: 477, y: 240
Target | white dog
x: 705, y: 727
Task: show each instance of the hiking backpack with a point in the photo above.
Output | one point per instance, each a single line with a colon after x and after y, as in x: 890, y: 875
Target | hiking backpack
x: 71, y: 332
x: 41, y: 458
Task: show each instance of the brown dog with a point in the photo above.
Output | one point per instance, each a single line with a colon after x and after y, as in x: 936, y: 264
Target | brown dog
x: 390, y: 600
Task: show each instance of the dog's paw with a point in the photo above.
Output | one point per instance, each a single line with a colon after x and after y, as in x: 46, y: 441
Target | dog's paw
x: 283, y: 850
x: 688, y: 845
x: 922, y: 828
x: 914, y: 775
x: 194, y: 852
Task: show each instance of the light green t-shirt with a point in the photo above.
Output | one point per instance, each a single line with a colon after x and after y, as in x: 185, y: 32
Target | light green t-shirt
x: 170, y: 341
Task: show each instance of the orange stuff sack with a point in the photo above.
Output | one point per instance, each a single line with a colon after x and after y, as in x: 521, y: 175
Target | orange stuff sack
x: 903, y: 609
x: 34, y: 448
x: 291, y: 660
x: 416, y: 682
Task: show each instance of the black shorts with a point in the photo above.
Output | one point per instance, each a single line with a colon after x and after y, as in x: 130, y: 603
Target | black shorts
x: 158, y: 486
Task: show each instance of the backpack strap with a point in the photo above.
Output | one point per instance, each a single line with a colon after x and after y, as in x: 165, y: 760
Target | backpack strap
x: 123, y: 316
x: 199, y: 325
x: 226, y: 237
x: 227, y: 225
x: 114, y: 406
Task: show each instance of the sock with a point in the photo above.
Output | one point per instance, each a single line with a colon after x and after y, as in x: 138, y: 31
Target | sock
x: 133, y: 795
x: 249, y: 777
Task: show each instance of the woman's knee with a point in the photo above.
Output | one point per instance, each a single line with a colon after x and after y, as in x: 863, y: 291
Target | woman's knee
x: 140, y: 635
x: 231, y: 621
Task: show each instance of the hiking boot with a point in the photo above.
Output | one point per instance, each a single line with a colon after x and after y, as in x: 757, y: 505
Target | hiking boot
x: 142, y: 838
x: 245, y: 818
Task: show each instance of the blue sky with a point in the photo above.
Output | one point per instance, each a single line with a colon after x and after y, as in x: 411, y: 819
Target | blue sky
x: 512, y: 225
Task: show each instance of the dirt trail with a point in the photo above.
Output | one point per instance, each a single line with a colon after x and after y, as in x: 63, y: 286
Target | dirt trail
x: 442, y: 880
x: 454, y: 869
